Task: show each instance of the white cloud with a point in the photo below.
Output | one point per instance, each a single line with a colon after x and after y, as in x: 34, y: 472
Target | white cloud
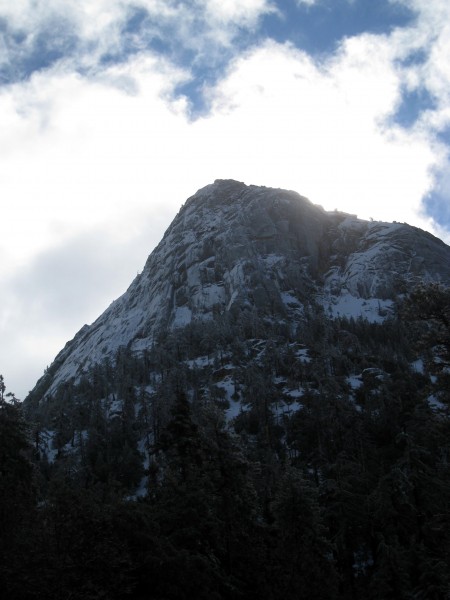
x: 430, y: 72
x: 243, y: 13
x: 320, y: 129
x: 60, y: 289
x: 113, y: 152
x: 98, y: 147
x: 89, y: 15
x: 307, y: 2
x: 430, y: 35
x: 83, y: 145
x: 204, y: 26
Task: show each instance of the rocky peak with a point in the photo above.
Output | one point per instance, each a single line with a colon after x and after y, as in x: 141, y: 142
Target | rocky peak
x: 235, y: 248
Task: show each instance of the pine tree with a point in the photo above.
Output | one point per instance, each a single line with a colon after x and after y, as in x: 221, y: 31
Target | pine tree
x: 303, y: 566
x: 428, y: 309
x: 17, y: 490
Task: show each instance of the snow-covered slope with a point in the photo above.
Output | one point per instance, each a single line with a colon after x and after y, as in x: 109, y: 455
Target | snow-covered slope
x: 234, y: 247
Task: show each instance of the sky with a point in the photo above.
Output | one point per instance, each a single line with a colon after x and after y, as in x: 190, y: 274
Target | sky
x: 114, y: 112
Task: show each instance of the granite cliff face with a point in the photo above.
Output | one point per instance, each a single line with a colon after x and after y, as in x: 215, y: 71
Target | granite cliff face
x: 234, y: 248
x: 227, y: 423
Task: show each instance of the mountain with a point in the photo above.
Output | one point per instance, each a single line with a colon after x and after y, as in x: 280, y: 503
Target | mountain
x: 234, y: 248
x: 264, y: 413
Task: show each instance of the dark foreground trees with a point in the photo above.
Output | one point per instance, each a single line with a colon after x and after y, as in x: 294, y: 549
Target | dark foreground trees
x: 136, y: 487
x: 362, y: 512
x: 17, y: 489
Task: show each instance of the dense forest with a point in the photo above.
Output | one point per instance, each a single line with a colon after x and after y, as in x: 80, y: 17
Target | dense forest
x: 239, y: 459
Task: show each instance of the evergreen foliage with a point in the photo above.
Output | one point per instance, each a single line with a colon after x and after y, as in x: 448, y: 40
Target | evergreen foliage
x: 236, y: 460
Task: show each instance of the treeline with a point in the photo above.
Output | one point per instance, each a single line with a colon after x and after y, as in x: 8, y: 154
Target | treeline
x: 132, y: 484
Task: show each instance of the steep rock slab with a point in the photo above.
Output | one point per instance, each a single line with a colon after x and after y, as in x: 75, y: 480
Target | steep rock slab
x: 234, y: 247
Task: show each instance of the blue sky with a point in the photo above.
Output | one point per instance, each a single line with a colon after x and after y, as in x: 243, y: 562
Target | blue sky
x: 113, y: 112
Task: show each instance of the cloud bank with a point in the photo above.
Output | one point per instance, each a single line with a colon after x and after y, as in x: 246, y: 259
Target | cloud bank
x: 113, y: 113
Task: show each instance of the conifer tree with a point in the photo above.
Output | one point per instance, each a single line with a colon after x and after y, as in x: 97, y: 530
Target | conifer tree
x: 303, y: 556
x: 17, y: 499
